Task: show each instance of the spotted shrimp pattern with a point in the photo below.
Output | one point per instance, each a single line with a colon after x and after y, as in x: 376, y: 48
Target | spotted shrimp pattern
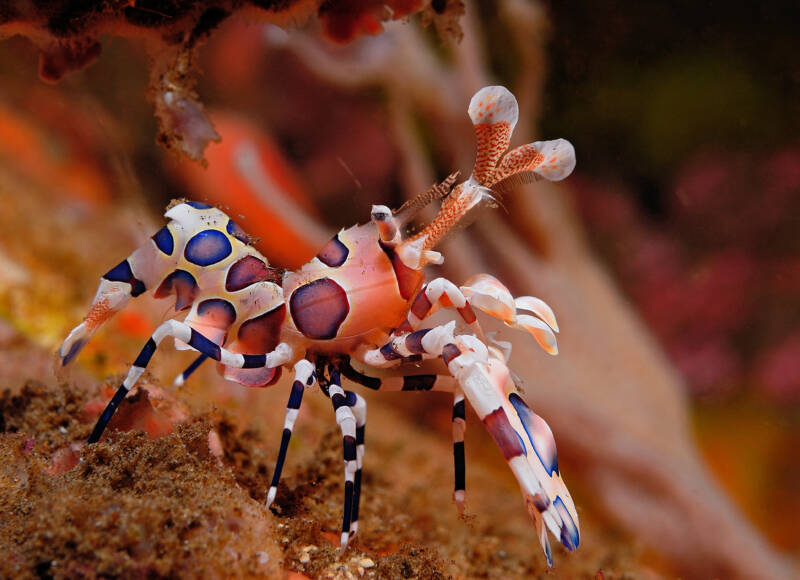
x: 360, y: 305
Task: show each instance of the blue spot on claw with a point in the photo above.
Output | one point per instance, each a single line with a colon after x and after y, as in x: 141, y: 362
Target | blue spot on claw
x: 164, y: 241
x: 233, y: 229
x: 120, y: 273
x: 570, y: 536
x: 73, y: 352
x: 529, y: 423
x: 548, y: 552
x: 198, y: 205
x: 208, y: 247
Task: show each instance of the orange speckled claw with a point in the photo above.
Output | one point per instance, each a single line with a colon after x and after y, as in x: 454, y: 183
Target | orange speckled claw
x: 494, y: 113
x: 553, y: 160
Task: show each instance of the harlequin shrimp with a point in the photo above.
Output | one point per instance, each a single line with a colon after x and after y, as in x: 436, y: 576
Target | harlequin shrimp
x: 361, y: 301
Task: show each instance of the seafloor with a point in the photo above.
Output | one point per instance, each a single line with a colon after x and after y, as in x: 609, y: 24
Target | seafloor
x: 191, y: 503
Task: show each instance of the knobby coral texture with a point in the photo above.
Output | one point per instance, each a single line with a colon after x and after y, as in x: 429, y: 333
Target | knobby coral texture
x: 68, y: 35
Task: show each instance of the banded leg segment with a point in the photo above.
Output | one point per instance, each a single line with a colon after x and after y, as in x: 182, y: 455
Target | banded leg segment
x: 183, y: 332
x: 304, y: 377
x: 406, y: 341
x: 417, y: 382
x: 180, y: 380
x: 360, y: 413
x: 421, y: 382
x: 459, y: 460
x: 342, y: 405
x: 422, y: 344
x: 441, y: 292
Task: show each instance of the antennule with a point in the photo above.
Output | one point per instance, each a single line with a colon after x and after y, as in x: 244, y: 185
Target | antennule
x: 413, y: 206
x: 463, y: 198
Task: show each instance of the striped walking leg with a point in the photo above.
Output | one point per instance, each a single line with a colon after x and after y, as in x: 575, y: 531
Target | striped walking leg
x: 459, y: 461
x: 422, y: 382
x: 420, y: 344
x: 185, y: 333
x: 343, y: 402
x: 405, y: 343
x: 304, y: 376
x: 416, y: 382
x: 180, y: 380
x: 360, y: 413
x: 430, y: 382
x: 441, y: 292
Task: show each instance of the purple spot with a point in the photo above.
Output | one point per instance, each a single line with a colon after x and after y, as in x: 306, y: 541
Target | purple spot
x: 389, y: 353
x: 73, y: 351
x: 217, y: 312
x: 247, y: 271
x: 449, y: 352
x: 183, y: 284
x: 334, y: 253
x: 421, y: 306
x: 260, y: 334
x: 233, y: 229
x: 414, y: 341
x: 319, y: 308
x: 198, y: 205
x: 540, y: 502
x: 122, y: 273
x: 570, y: 536
x: 503, y: 433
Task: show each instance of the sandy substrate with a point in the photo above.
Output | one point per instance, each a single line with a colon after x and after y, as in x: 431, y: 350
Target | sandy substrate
x: 190, y: 503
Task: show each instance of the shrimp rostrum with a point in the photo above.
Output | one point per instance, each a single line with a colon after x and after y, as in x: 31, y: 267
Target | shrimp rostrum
x: 362, y: 303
